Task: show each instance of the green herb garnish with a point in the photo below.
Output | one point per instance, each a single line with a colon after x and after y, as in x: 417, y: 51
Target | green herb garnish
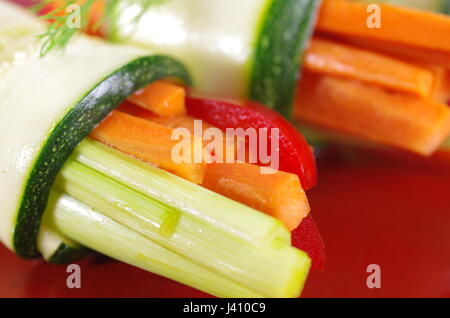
x: 60, y: 29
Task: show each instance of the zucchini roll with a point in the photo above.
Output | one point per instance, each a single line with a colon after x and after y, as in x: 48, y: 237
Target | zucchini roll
x: 118, y: 192
x: 366, y: 80
x: 245, y: 49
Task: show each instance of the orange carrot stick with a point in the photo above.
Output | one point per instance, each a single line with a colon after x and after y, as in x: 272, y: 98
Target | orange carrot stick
x: 372, y: 113
x: 133, y: 109
x: 279, y: 195
x: 328, y: 57
x: 401, y: 51
x: 441, y: 87
x: 220, y: 155
x: 188, y: 122
x: 401, y: 25
x: 149, y: 142
x: 437, y: 62
x: 95, y: 13
x: 162, y: 98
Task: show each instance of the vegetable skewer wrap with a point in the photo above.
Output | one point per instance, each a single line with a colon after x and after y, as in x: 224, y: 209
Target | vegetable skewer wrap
x: 106, y: 200
x: 68, y: 93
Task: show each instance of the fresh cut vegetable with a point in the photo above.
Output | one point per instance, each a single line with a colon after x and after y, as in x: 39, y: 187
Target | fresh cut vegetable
x: 202, y: 226
x: 373, y: 113
x: 442, y: 6
x: 244, y: 182
x: 40, y: 150
x: 395, y: 77
x: 251, y: 53
x: 150, y: 142
x: 425, y: 30
x: 278, y: 194
x: 295, y: 155
x: 307, y: 238
x: 63, y: 192
x: 333, y: 58
x: 162, y: 98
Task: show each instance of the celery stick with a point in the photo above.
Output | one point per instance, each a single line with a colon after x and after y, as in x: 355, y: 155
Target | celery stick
x: 269, y: 271
x: 106, y: 236
x: 50, y: 242
x: 190, y: 199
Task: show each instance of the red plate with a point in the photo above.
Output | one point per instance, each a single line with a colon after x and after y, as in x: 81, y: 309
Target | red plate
x: 390, y: 214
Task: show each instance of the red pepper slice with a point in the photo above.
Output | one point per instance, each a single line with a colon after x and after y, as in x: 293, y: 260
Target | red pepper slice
x: 307, y: 238
x: 295, y: 155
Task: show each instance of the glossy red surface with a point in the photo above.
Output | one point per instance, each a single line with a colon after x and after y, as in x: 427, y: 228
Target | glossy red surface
x: 294, y: 152
x: 395, y: 215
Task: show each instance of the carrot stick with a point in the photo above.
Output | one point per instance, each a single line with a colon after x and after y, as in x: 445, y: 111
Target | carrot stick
x: 219, y: 155
x: 149, y: 142
x: 279, y: 195
x: 402, y: 51
x: 162, y: 98
x: 328, y: 57
x: 372, y: 113
x: 137, y: 111
x: 186, y: 121
x: 401, y: 25
x: 95, y: 13
x: 441, y: 87
x: 436, y: 61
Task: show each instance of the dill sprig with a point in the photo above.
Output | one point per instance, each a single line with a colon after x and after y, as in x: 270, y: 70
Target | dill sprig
x: 60, y: 30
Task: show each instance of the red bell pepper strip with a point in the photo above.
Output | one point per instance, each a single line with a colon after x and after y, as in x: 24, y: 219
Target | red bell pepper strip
x: 307, y: 238
x: 295, y: 155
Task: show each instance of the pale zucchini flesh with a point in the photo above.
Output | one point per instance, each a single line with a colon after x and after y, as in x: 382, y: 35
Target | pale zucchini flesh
x: 233, y: 48
x: 213, y: 38
x: 16, y: 22
x: 73, y: 90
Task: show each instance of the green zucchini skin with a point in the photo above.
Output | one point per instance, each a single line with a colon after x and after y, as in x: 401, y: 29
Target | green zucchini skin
x: 282, y: 40
x: 66, y: 254
x: 445, y: 7
x: 75, y: 126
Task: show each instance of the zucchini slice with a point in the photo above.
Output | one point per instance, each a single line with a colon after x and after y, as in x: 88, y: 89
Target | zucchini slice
x: 47, y: 106
x: 233, y: 48
x: 16, y: 22
x: 284, y: 35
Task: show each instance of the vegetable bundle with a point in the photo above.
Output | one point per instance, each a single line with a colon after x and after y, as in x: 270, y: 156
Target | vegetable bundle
x: 387, y: 85
x: 250, y: 52
x: 62, y: 192
x: 380, y: 68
